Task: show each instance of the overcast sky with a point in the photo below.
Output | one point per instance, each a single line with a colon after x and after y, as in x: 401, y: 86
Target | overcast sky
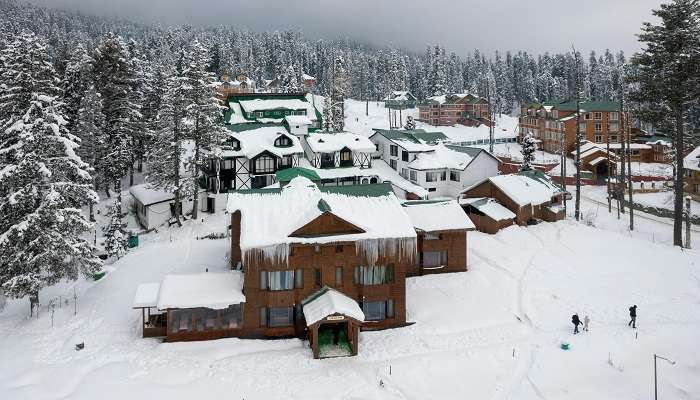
x: 460, y: 25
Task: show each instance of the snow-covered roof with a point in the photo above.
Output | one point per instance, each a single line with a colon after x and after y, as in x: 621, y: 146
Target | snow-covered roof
x: 297, y: 120
x: 490, y: 207
x: 276, y: 104
x: 400, y: 95
x: 329, y: 301
x: 590, y: 148
x: 332, y: 142
x: 146, y: 295
x: 440, y: 158
x: 307, y: 77
x: 255, y: 141
x: 597, y: 160
x: 147, y: 195
x: 692, y: 160
x: 209, y: 290
x: 443, y: 98
x: 434, y: 216
x: 524, y: 188
x: 269, y: 217
x: 633, y: 146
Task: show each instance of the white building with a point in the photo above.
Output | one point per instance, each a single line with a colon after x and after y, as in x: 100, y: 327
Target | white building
x: 424, y: 160
x: 156, y: 207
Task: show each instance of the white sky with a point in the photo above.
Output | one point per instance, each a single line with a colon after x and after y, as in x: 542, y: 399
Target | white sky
x: 460, y: 25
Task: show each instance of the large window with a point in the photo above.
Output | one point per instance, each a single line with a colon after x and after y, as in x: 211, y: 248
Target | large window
x: 454, y: 176
x: 280, y: 280
x: 378, y: 310
x: 227, y: 163
x: 377, y: 275
x: 404, y: 156
x: 345, y: 158
x: 264, y: 165
x: 392, y: 163
x: 394, y: 150
x: 434, y: 258
x: 432, y: 176
x: 414, y: 176
x: 276, y: 316
x: 204, y: 319
x: 285, y: 162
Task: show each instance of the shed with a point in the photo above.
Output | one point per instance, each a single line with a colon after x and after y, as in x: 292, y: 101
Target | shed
x: 334, y: 322
x: 487, y: 214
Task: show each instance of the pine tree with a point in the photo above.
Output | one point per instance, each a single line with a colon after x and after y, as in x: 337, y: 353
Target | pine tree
x: 529, y: 147
x: 42, y: 190
x: 327, y: 114
x: 167, y: 156
x: 89, y: 127
x: 136, y: 124
x: 289, y: 82
x: 114, y: 80
x: 204, y: 114
x: 410, y: 124
x: 340, y: 86
x: 666, y: 82
x: 77, y: 79
x: 115, y: 235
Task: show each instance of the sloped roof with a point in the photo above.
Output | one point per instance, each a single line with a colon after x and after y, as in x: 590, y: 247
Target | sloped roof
x: 269, y: 217
x: 332, y: 142
x: 210, y: 290
x: 490, y: 207
x: 442, y: 157
x: 528, y: 187
x: 328, y: 301
x: 260, y: 139
x: 438, y: 215
x: 288, y: 174
x: 416, y: 140
x: 692, y: 160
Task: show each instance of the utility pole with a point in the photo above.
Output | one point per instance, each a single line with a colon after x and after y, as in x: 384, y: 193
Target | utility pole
x: 623, y: 153
x: 488, y: 99
x: 607, y: 178
x: 656, y: 390
x: 629, y: 171
x: 577, y: 162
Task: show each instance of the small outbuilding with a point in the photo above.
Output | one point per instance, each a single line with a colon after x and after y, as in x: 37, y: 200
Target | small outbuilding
x: 487, y: 214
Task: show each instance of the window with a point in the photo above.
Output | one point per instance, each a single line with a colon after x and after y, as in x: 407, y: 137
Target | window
x: 414, y: 176
x: 431, y: 176
x: 234, y: 143
x: 299, y: 279
x: 598, y: 115
x: 613, y: 127
x: 283, y: 141
x: 327, y: 160
x: 404, y: 156
x: 443, y: 175
x: 376, y: 275
x: 226, y: 163
x: 404, y: 173
x: 264, y: 165
x: 338, y: 276
x: 285, y: 162
x: 587, y: 116
x: 276, y: 280
x: 613, y: 138
x: 598, y: 138
x: 345, y: 155
x: 339, y: 248
x: 276, y: 316
x: 598, y: 127
x: 392, y: 164
x: 432, y: 236
x: 454, y: 176
x: 378, y: 310
x: 614, y: 116
x: 317, y: 276
x: 434, y: 258
x: 394, y: 150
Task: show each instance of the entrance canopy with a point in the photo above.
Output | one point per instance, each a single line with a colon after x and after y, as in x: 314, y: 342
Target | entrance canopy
x: 329, y: 302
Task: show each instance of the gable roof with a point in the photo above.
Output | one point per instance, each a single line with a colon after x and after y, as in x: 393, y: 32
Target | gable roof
x: 527, y: 187
x: 692, y: 160
x: 261, y: 139
x: 438, y: 215
x: 489, y: 207
x: 417, y: 140
x: 269, y: 216
x: 332, y: 142
x: 328, y: 301
x: 441, y: 158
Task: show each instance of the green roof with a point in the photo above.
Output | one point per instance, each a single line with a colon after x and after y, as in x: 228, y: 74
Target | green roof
x: 249, y: 127
x: 369, y: 190
x: 288, y: 174
x: 323, y: 206
x: 415, y: 135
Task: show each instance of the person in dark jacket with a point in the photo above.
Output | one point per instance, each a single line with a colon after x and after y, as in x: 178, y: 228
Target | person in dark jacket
x: 633, y: 317
x: 576, y: 321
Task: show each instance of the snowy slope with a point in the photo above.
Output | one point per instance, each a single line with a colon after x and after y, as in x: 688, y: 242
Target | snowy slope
x: 521, y: 289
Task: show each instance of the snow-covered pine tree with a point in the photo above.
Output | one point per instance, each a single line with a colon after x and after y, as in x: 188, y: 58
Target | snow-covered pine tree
x: 25, y: 68
x: 289, y: 82
x: 42, y: 190
x: 327, y: 114
x: 137, y: 125
x: 204, y: 114
x: 410, y: 124
x: 167, y: 154
x: 665, y: 77
x: 115, y: 243
x: 529, y: 147
x: 89, y: 127
x: 114, y: 80
x: 76, y: 80
x: 340, y: 87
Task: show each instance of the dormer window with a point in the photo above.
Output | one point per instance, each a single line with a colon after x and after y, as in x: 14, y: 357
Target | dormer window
x: 233, y: 143
x: 283, y: 141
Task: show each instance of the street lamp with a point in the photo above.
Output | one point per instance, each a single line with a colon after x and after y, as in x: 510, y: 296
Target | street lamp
x: 656, y: 391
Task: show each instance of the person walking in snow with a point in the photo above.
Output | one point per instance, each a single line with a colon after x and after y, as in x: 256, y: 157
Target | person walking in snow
x: 633, y: 317
x: 576, y: 321
x: 586, y: 321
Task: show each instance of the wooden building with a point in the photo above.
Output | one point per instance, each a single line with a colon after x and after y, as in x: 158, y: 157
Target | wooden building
x: 441, y: 226
x: 596, y: 159
x: 451, y: 109
x: 530, y: 195
x: 691, y: 169
x: 487, y: 214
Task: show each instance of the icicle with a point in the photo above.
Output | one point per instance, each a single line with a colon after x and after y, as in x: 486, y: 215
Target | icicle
x: 275, y: 254
x: 373, y: 249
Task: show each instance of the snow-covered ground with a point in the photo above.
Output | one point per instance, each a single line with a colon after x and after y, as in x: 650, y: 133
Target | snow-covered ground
x: 491, y: 332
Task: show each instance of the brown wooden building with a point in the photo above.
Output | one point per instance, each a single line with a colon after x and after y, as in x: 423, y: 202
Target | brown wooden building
x: 441, y: 226
x: 529, y: 195
x: 487, y: 214
x: 447, y: 110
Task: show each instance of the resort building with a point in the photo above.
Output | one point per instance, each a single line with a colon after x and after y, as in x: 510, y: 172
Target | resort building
x: 451, y: 109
